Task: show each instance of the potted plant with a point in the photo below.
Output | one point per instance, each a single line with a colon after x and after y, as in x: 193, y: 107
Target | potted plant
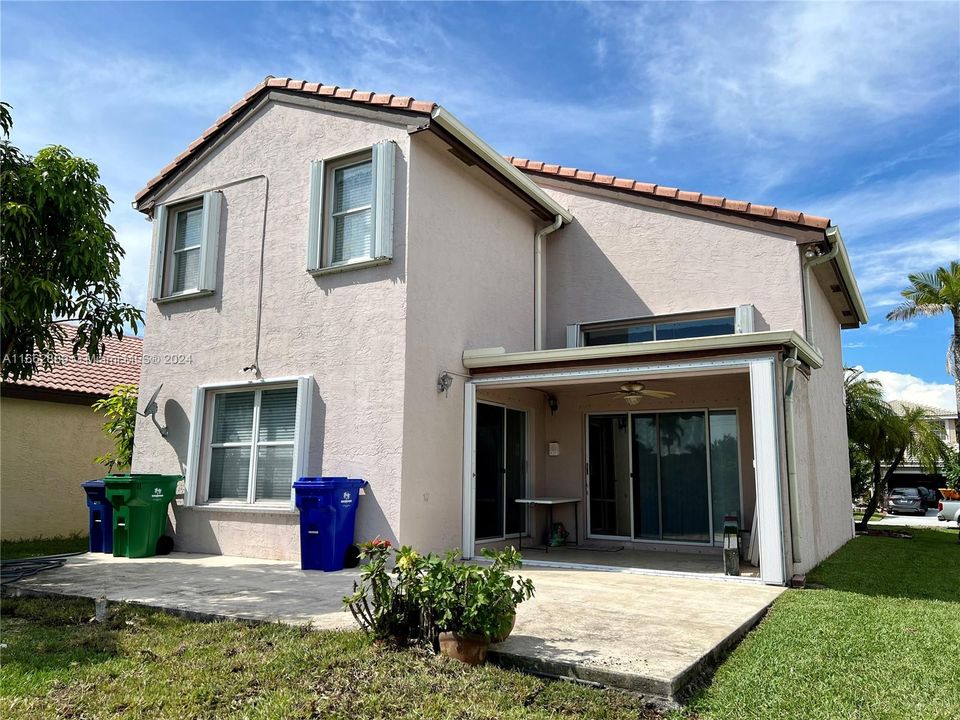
x: 383, y: 602
x: 468, y: 606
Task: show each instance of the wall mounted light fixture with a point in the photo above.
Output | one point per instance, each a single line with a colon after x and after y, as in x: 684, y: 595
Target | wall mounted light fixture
x: 444, y: 381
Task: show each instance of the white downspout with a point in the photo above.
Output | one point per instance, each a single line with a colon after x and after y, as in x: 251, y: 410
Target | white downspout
x: 812, y: 258
x: 539, y: 273
x: 791, y: 363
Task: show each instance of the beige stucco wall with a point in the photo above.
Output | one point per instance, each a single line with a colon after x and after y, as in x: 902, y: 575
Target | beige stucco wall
x: 823, y: 488
x: 346, y: 330
x: 623, y: 259
x: 46, y: 451
x: 469, y: 284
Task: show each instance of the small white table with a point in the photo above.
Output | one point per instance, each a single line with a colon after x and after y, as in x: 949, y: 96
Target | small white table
x: 550, y: 502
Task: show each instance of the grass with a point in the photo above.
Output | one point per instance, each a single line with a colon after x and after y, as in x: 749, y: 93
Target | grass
x: 147, y: 664
x: 34, y: 547
x: 878, y: 640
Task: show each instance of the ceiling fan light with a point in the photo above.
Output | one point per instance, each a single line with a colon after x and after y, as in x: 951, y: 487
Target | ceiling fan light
x: 633, y: 399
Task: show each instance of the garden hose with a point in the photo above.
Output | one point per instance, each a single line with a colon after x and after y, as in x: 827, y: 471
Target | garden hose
x: 14, y: 570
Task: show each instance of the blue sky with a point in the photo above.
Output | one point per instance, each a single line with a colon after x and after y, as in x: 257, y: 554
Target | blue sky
x: 845, y: 110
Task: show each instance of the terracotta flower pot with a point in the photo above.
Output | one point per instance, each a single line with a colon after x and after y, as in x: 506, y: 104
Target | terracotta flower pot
x: 469, y: 649
x: 506, y: 628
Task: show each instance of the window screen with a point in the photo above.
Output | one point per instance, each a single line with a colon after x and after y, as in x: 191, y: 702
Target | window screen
x: 352, y: 213
x: 251, y: 447
x: 186, y: 249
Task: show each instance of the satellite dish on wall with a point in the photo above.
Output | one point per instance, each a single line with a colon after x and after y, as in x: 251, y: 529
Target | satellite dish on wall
x: 151, y: 411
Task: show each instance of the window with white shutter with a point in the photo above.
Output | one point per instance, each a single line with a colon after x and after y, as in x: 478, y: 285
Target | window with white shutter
x: 186, y: 241
x: 351, y: 209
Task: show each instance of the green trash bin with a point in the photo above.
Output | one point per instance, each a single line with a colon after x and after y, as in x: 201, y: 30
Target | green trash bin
x: 139, y: 511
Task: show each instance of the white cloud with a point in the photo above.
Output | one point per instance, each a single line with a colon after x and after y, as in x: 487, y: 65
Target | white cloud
x: 771, y: 72
x: 891, y: 328
x: 902, y: 386
x: 869, y: 210
x: 882, y: 270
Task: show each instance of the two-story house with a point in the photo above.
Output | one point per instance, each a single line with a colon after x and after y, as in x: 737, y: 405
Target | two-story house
x: 355, y: 284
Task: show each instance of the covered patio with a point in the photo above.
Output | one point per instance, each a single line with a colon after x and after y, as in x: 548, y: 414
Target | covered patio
x: 642, y: 455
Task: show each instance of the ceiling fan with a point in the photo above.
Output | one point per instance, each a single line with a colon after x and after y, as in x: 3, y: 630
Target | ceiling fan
x: 634, y: 392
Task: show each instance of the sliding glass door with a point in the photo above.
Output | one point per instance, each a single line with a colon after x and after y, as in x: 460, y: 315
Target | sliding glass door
x: 501, y: 471
x: 609, y: 463
x: 670, y: 476
x: 684, y: 486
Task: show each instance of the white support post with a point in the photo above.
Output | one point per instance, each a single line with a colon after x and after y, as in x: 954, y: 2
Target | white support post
x: 766, y: 452
x: 469, y: 466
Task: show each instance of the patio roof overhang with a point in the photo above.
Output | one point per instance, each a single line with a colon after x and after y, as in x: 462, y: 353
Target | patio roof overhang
x: 491, y: 360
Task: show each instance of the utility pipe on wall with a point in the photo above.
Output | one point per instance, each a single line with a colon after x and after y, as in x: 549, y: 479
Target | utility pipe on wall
x: 539, y: 273
x: 791, y: 363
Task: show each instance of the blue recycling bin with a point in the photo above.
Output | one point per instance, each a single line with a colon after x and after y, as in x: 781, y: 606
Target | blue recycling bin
x: 328, y: 514
x: 101, y: 516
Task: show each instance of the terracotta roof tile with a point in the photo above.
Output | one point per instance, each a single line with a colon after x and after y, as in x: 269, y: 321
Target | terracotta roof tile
x: 531, y: 166
x: 686, y: 196
x: 364, y: 97
x: 120, y: 363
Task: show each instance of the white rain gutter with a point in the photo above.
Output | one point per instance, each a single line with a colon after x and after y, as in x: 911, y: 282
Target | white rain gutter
x: 539, y: 280
x: 791, y: 363
x: 838, y: 252
x: 747, y: 342
x: 465, y: 135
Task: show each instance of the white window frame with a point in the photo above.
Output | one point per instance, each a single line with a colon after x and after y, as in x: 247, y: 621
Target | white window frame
x: 170, y: 271
x: 199, y: 455
x: 742, y: 315
x: 320, y: 227
x: 164, y: 258
x: 329, y: 216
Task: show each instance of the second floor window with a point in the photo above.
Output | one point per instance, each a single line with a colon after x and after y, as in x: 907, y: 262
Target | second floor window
x: 186, y: 249
x: 351, y: 209
x: 186, y: 246
x: 631, y: 331
x: 350, y: 230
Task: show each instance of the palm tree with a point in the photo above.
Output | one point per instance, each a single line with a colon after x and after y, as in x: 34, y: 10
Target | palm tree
x: 933, y: 293
x: 885, y: 437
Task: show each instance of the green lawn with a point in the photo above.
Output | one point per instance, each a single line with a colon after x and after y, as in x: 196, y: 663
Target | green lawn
x: 146, y: 664
x: 880, y: 640
x: 11, y: 550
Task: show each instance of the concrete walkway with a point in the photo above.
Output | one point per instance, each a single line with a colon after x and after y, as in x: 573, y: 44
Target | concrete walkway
x: 651, y: 634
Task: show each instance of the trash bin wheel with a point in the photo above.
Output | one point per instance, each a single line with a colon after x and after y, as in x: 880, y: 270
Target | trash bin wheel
x: 164, y: 545
x: 351, y: 558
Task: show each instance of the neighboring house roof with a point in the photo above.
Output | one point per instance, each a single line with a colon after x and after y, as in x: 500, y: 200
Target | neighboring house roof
x: 84, y: 380
x: 930, y: 411
x: 661, y: 192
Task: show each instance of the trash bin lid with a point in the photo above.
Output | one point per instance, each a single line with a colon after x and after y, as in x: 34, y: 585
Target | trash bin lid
x: 328, y: 482
x: 92, y: 485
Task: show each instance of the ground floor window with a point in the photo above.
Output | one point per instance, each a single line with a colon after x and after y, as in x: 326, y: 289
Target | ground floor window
x: 251, y: 446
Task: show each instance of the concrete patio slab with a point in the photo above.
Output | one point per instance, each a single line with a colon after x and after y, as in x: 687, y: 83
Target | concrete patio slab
x: 649, y: 633
x: 652, y: 634
x: 206, y: 586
